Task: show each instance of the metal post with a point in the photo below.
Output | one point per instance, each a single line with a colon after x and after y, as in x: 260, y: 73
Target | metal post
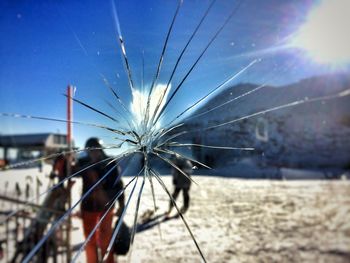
x: 69, y: 143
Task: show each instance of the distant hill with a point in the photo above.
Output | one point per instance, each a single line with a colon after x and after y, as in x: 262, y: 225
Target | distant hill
x: 311, y: 135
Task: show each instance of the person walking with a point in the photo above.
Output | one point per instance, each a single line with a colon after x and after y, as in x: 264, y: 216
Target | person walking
x: 94, y: 206
x: 181, y: 183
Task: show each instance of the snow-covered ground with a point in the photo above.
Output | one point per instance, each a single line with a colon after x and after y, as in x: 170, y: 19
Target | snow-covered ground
x: 253, y: 221
x: 238, y: 220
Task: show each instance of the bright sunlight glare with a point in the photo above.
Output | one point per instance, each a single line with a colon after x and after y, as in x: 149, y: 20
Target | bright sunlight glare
x: 140, y: 98
x: 325, y: 35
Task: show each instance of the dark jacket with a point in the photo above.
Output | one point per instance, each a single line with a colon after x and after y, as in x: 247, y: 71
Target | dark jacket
x: 179, y: 179
x: 105, y: 191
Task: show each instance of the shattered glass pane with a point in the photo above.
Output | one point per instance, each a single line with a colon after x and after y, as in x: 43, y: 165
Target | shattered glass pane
x: 239, y: 89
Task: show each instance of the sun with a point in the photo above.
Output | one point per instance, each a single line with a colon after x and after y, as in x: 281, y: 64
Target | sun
x: 325, y: 35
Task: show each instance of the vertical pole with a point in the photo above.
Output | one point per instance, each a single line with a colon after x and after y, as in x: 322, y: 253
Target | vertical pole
x: 69, y: 115
x: 69, y: 144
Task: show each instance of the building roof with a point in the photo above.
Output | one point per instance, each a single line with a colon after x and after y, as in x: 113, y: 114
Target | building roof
x: 28, y: 140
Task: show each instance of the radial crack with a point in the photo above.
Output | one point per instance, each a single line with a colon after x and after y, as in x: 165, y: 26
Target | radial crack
x: 179, y: 212
x: 199, y: 57
x: 173, y: 165
x: 182, y: 156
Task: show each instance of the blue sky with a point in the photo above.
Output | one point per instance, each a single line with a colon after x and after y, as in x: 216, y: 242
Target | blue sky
x: 46, y: 45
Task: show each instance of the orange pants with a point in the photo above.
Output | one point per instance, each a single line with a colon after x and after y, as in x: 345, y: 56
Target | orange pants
x: 101, y: 237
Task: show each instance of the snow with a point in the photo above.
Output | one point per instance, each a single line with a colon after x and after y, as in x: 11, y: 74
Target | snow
x: 236, y: 220
x: 245, y: 220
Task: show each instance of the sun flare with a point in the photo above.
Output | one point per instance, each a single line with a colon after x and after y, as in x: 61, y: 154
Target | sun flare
x: 325, y: 35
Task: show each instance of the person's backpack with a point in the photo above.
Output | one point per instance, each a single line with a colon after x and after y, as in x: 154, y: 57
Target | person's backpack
x: 122, y: 242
